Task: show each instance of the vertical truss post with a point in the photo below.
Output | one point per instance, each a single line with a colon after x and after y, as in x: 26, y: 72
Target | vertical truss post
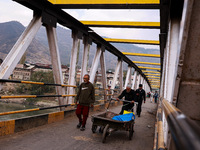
x: 72, y: 70
x: 144, y: 85
x: 56, y: 64
x: 95, y: 64
x: 173, y: 53
x: 134, y: 80
x: 85, y: 58
x: 128, y: 77
x: 116, y: 74
x: 121, y: 77
x: 103, y: 72
x: 14, y: 56
x: 138, y: 80
x: 142, y: 80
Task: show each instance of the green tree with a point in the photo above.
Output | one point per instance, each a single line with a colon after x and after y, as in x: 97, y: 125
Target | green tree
x: 34, y: 89
x: 40, y: 76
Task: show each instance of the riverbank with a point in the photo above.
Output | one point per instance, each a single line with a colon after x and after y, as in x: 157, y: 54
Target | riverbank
x: 45, y: 102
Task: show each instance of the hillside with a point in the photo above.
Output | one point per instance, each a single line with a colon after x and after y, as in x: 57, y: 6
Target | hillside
x: 38, y: 51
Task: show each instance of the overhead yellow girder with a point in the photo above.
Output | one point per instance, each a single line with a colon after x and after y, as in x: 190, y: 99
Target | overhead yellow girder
x: 148, y: 63
x: 150, y: 71
x: 150, y: 42
x: 105, y: 1
x: 152, y: 77
x: 148, y: 68
x: 141, y: 54
x: 122, y: 24
x: 147, y: 74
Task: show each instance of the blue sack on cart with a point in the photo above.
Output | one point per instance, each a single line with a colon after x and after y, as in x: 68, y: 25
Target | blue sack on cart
x: 125, y: 117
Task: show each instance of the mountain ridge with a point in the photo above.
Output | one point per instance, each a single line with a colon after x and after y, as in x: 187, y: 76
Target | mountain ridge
x: 38, y: 51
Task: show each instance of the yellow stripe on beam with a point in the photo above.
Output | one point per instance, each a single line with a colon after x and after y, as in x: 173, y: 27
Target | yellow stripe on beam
x: 152, y: 77
x: 150, y: 71
x: 148, y: 68
x: 121, y: 24
x: 148, y: 63
x: 150, y: 42
x: 152, y: 74
x: 105, y: 1
x: 141, y: 54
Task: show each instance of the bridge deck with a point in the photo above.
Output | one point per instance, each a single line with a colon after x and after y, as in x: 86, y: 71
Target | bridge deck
x: 64, y: 135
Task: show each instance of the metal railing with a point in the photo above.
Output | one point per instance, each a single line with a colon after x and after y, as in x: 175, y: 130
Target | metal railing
x: 101, y: 95
x: 185, y: 133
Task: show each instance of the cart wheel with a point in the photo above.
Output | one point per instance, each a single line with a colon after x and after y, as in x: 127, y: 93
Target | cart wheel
x: 101, y: 128
x: 131, y: 132
x: 94, y: 127
x: 105, y: 133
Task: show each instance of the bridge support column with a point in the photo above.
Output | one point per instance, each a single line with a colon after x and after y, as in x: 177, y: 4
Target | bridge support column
x: 117, y: 69
x: 95, y: 63
x: 134, y: 80
x: 19, y: 48
x: 85, y: 58
x: 72, y: 70
x: 128, y: 77
x: 103, y: 73
x: 138, y: 81
x: 121, y: 77
x: 56, y: 64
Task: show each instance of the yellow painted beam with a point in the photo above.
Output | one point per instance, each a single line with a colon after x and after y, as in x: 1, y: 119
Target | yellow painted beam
x: 105, y: 1
x: 141, y: 54
x: 150, y: 71
x: 141, y: 67
x: 152, y: 77
x: 147, y: 74
x: 122, y: 24
x: 150, y: 42
x: 148, y: 63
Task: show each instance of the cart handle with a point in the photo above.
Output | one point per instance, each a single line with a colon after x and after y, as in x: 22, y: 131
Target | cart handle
x: 123, y: 100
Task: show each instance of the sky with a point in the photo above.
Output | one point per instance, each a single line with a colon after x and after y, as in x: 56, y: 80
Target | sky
x: 12, y: 11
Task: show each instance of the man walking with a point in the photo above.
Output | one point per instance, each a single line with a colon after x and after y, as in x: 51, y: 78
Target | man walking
x: 156, y: 96
x: 85, y: 97
x: 140, y: 96
x: 129, y: 95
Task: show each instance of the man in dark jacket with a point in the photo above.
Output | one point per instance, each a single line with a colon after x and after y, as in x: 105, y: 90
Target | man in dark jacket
x: 85, y: 97
x: 129, y: 95
x: 140, y: 96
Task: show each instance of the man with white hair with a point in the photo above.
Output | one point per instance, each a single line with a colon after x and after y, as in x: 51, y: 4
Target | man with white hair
x: 129, y: 95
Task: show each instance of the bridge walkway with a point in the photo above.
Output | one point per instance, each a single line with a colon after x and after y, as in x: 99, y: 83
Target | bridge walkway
x: 64, y: 135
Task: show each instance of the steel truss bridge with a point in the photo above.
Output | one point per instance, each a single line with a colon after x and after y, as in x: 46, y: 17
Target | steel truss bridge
x: 177, y: 76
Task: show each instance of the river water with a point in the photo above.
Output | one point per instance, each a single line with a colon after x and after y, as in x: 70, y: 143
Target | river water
x: 7, y: 107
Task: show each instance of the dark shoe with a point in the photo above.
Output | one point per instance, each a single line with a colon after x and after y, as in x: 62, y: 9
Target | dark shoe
x: 79, y: 125
x: 82, y: 128
x: 138, y: 115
